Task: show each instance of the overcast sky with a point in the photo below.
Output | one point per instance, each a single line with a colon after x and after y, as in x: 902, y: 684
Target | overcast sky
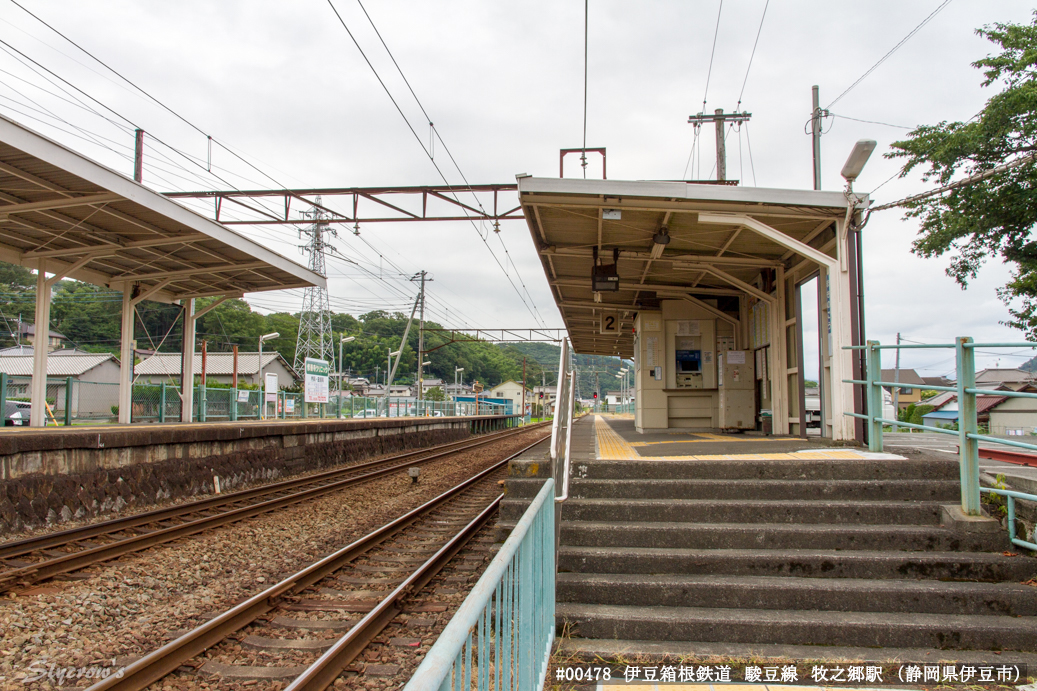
x: 283, y: 84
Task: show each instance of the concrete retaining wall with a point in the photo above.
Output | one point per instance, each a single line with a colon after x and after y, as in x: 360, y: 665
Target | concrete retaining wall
x: 53, y: 476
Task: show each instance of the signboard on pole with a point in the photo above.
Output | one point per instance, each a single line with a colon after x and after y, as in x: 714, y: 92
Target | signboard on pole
x: 318, y: 372
x: 271, y: 387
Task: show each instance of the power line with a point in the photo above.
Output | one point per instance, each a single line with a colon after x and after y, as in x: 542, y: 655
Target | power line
x: 533, y: 312
x: 751, y: 55
x: 158, y: 102
x: 450, y: 154
x: 891, y: 51
x: 586, y: 40
x: 712, y: 52
x: 870, y: 122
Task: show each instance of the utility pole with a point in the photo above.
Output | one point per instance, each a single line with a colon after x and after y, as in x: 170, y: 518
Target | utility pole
x: 597, y: 389
x: 523, y: 390
x: 138, y: 156
x: 421, y: 334
x: 896, y: 389
x: 816, y: 114
x: 719, y: 117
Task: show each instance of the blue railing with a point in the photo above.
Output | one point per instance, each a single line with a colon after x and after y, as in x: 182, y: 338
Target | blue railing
x: 968, y: 422
x: 501, y: 636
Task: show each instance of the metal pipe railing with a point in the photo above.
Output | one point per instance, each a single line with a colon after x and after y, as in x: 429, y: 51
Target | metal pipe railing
x: 967, y: 423
x: 501, y: 636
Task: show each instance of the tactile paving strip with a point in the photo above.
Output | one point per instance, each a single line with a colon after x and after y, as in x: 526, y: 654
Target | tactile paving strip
x: 613, y: 447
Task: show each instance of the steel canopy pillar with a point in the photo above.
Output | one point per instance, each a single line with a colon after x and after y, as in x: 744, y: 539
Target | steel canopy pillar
x: 44, y: 285
x: 37, y: 415
x: 187, y: 364
x: 126, y: 356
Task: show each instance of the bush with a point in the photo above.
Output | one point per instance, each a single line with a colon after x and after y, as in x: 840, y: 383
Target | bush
x: 918, y: 411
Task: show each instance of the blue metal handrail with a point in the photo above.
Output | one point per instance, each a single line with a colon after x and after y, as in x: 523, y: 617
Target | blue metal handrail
x: 507, y: 622
x: 1010, y: 497
x: 968, y: 425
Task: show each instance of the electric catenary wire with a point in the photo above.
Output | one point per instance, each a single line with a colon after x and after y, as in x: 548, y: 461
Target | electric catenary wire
x: 891, y: 51
x: 436, y: 135
x: 532, y: 310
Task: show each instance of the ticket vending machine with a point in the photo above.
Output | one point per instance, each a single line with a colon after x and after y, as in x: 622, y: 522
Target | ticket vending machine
x: 736, y: 381
x: 689, y: 369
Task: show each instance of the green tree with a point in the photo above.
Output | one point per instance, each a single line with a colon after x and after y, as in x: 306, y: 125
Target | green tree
x: 993, y: 216
x: 435, y: 394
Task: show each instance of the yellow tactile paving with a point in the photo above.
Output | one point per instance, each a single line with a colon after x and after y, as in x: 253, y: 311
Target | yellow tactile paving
x: 613, y: 447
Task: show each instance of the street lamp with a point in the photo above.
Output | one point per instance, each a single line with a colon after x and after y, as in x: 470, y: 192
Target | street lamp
x: 856, y: 160
x: 262, y: 384
x: 344, y: 339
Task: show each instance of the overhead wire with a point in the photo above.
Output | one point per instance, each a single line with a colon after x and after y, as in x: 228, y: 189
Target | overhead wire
x: 891, y: 51
x: 712, y: 53
x: 532, y: 310
x: 759, y: 30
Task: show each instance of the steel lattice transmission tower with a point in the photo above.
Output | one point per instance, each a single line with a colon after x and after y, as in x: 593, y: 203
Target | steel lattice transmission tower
x: 314, y: 338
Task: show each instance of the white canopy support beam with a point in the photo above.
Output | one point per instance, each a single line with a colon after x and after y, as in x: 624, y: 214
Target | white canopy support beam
x: 41, y: 342
x: 841, y: 395
x: 126, y: 350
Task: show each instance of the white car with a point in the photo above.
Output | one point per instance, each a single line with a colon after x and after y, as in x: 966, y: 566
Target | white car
x: 370, y: 412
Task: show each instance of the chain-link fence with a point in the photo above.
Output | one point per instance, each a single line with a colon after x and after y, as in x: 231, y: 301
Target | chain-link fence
x: 70, y: 402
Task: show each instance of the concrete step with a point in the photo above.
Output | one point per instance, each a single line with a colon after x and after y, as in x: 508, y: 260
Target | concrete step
x: 762, y: 511
x: 947, y: 491
x: 809, y: 563
x: 593, y: 649
x: 828, y: 594
x: 762, y: 469
x: 770, y: 536
x: 797, y: 627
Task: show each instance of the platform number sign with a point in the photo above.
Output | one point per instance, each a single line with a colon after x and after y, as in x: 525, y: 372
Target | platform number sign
x: 316, y: 385
x: 609, y: 323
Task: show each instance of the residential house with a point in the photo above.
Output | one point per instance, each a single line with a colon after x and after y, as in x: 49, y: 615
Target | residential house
x: 947, y: 414
x: 1014, y: 417
x: 430, y: 383
x: 219, y: 367
x: 546, y: 395
x: 511, y: 390
x: 1014, y: 379
x: 908, y: 394
x: 95, y: 381
x: 937, y: 381
x: 27, y: 334
x: 453, y: 390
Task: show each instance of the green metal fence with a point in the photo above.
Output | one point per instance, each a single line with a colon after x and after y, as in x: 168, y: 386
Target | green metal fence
x: 73, y: 402
x: 968, y: 424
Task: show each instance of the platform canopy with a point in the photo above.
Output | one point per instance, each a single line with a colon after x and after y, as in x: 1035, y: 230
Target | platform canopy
x: 92, y: 224
x: 713, y: 252
x: 65, y: 215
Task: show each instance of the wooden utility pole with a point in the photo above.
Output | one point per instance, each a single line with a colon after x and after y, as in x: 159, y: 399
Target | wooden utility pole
x: 138, y: 156
x: 523, y: 389
x: 719, y: 117
x: 234, y: 376
x: 204, y: 353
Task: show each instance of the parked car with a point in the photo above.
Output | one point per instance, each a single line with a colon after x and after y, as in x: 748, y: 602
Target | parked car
x: 370, y: 412
x: 17, y: 413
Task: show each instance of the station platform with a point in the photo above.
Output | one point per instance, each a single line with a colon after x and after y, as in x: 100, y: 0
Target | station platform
x: 617, y: 440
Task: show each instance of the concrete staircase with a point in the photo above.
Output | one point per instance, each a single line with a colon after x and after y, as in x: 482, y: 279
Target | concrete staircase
x: 728, y: 557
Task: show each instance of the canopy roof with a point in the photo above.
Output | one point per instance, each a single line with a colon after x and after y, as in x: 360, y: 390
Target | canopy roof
x: 96, y: 225
x: 712, y: 256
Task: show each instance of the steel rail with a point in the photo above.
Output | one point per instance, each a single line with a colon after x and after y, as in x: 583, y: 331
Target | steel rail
x: 64, y: 537
x: 172, y: 655
x: 78, y: 560
x: 323, y: 673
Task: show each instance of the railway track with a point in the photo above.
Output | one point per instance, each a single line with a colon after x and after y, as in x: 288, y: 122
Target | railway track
x: 29, y: 561
x: 350, y: 597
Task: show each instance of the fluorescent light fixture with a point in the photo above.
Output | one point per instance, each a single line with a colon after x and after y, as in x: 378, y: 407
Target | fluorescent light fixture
x: 857, y: 158
x: 347, y: 339
x: 267, y: 337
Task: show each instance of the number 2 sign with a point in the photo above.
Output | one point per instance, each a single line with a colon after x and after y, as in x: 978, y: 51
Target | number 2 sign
x: 609, y: 324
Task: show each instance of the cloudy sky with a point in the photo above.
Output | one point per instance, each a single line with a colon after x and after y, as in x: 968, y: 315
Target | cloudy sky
x: 283, y: 85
